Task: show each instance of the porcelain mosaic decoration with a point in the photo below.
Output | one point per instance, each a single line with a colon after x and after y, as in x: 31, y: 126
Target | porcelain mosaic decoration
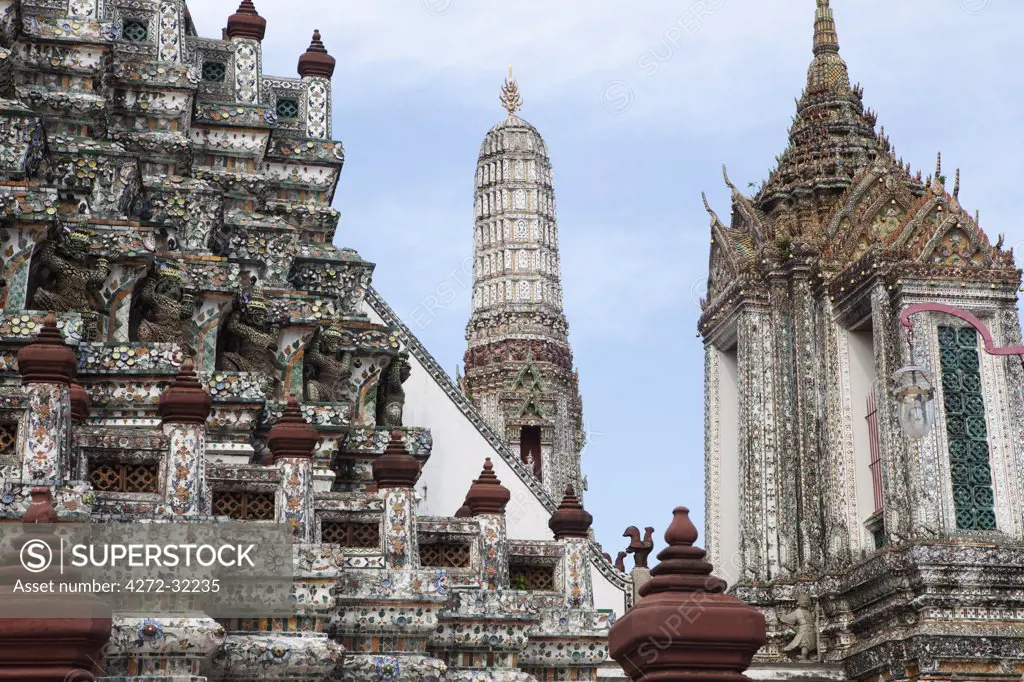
x: 169, y: 204
x: 819, y: 509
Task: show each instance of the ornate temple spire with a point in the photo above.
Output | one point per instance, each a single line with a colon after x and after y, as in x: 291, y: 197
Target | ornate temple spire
x: 511, y: 99
x: 826, y: 39
x: 832, y: 137
x: 828, y: 71
x: 518, y: 332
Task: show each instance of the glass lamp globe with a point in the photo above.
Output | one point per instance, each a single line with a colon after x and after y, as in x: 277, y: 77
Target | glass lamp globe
x: 914, y: 394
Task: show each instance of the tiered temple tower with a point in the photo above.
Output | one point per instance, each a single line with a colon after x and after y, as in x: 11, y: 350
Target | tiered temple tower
x: 181, y: 343
x: 891, y: 558
x: 519, y: 368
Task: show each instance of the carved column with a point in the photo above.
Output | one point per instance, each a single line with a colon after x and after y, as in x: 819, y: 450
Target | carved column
x: 763, y: 543
x: 891, y: 353
x: 47, y: 367
x: 807, y: 408
x: 395, y: 473
x: 316, y: 68
x: 486, y: 500
x: 184, y: 408
x: 292, y: 442
x: 246, y: 29
x: 81, y: 404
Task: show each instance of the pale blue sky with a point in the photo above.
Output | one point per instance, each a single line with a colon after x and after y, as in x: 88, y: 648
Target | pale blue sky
x: 640, y: 104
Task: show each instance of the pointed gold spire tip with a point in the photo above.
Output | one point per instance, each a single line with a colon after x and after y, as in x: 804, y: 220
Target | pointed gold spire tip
x: 511, y: 99
x: 826, y: 38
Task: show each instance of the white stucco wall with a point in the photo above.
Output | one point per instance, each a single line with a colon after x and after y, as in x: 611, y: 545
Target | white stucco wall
x: 458, y: 457
x: 606, y: 594
x: 728, y: 555
x: 862, y: 380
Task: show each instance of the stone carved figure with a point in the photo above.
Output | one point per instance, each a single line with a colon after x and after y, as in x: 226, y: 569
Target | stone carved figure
x: 75, y: 280
x: 620, y: 561
x: 326, y: 367
x: 802, y: 618
x: 71, y: 280
x: 640, y: 549
x: 390, y: 394
x: 251, y: 343
x: 166, y: 308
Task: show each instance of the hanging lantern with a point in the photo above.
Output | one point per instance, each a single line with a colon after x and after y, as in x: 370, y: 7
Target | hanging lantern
x: 914, y: 394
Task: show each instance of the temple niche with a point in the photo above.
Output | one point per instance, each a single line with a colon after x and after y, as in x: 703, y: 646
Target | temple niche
x: 249, y: 339
x: 327, y: 366
x: 66, y: 279
x: 390, y: 394
x: 163, y: 307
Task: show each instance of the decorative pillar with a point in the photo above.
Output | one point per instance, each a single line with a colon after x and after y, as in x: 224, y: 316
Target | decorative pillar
x: 685, y: 627
x: 762, y: 545
x: 570, y: 642
x: 81, y: 404
x: 65, y: 638
x: 47, y: 367
x: 316, y: 68
x: 184, y: 408
x: 570, y: 523
x: 395, y: 473
x: 246, y: 29
x: 291, y: 442
x: 486, y: 500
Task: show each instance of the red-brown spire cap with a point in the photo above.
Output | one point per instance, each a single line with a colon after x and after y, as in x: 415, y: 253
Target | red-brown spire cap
x: 41, y: 508
x: 395, y: 468
x: 570, y: 520
x: 246, y: 23
x: 463, y: 512
x: 48, y: 360
x: 80, y: 403
x: 291, y: 437
x: 50, y: 639
x: 487, y: 495
x: 718, y: 645
x: 185, y: 401
x: 316, y: 63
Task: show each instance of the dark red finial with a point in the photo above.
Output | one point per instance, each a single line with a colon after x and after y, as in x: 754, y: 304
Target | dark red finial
x: 717, y: 644
x: 291, y: 437
x: 682, y: 567
x: 487, y: 495
x: 48, y: 360
x: 246, y: 23
x: 185, y: 401
x: 396, y: 468
x: 316, y: 62
x: 80, y: 402
x: 41, y: 509
x: 570, y: 520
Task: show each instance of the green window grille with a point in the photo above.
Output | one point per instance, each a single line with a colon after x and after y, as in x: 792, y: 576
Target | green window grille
x: 969, y: 461
x: 214, y: 72
x: 135, y: 31
x: 288, y: 108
